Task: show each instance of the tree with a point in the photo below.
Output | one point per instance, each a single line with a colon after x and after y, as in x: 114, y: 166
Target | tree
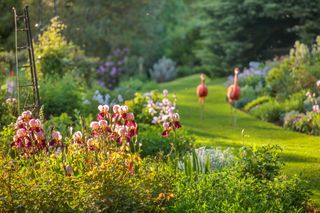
x: 238, y: 31
x: 7, y: 24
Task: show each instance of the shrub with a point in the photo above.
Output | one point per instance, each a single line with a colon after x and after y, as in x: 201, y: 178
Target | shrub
x: 306, y: 123
x: 281, y: 81
x: 60, y: 96
x: 153, y: 144
x: 234, y: 189
x: 164, y: 70
x: 8, y: 108
x: 291, y: 118
x: 269, y: 111
x: 295, y: 102
x: 262, y: 163
x: 62, y: 123
x: 255, y: 103
x: 57, y: 56
x: 109, y: 72
x: 138, y: 106
x: 247, y: 94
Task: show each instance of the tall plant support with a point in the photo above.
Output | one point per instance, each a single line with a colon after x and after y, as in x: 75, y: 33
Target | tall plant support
x: 27, y: 86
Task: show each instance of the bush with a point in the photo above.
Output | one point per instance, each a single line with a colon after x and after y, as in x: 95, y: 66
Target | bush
x: 183, y: 71
x: 60, y: 96
x: 61, y: 123
x: 110, y: 71
x: 291, y: 118
x: 152, y: 143
x: 295, y: 102
x: 270, y: 111
x: 306, y: 123
x: 261, y: 163
x: 255, y: 103
x: 247, y: 94
x: 164, y: 70
x: 253, y: 184
x: 57, y: 56
x: 281, y: 81
x: 138, y: 106
x: 106, y: 186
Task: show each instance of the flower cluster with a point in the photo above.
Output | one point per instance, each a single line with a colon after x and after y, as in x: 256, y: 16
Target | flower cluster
x: 254, y: 70
x: 30, y: 137
x: 116, y: 126
x: 312, y: 98
x: 11, y: 101
x: 111, y: 70
x: 163, y: 113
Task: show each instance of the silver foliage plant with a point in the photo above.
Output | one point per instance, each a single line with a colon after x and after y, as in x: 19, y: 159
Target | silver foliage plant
x: 203, y: 160
x: 164, y: 70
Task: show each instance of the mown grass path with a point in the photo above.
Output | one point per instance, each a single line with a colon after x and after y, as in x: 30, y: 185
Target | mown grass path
x: 301, y: 152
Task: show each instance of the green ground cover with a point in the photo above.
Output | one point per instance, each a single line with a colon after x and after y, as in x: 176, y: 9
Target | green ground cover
x: 301, y: 152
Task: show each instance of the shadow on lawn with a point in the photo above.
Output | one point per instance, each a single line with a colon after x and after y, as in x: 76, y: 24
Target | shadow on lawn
x: 298, y: 158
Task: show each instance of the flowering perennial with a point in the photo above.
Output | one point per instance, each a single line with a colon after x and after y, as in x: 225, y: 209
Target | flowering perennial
x: 116, y: 126
x: 30, y: 137
x: 164, y: 113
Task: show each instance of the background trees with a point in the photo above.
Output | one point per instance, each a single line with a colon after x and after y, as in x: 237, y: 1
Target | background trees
x: 201, y: 35
x: 237, y: 31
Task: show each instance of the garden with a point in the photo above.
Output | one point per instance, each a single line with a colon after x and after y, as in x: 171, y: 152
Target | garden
x: 159, y: 106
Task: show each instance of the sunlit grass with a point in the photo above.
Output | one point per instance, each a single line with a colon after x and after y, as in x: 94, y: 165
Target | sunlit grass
x: 301, y: 152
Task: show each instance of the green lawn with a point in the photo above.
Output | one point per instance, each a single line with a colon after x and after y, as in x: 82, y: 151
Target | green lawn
x: 301, y: 152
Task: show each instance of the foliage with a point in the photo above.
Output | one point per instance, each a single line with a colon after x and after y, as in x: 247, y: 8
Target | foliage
x: 237, y: 31
x: 138, y: 105
x: 255, y: 103
x: 262, y: 163
x: 153, y: 144
x: 61, y: 123
x: 306, y: 123
x: 203, y: 160
x: 133, y: 85
x: 7, y: 110
x: 57, y: 56
x: 7, y: 27
x: 295, y: 102
x: 164, y: 70
x: 102, y: 184
x: 109, y: 72
x: 60, y: 96
x: 234, y: 189
x: 268, y: 111
x: 291, y: 75
x: 247, y: 94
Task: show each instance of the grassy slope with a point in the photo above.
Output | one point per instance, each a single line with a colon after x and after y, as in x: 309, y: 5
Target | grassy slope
x: 301, y: 152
